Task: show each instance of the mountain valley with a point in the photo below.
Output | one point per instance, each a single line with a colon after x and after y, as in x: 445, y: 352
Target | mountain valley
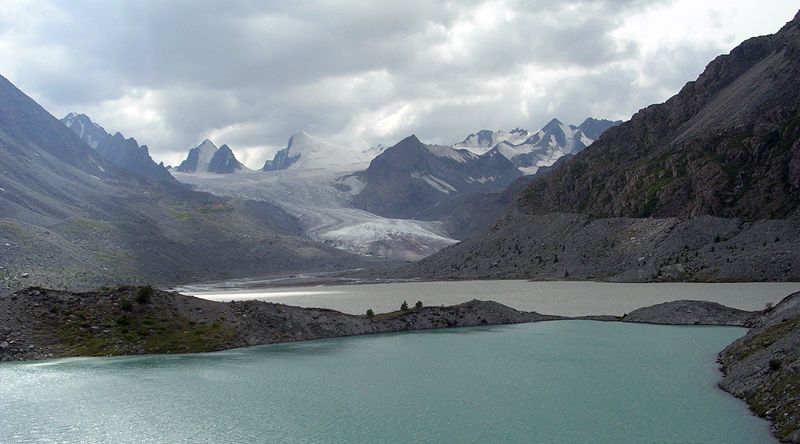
x: 497, y: 204
x: 70, y: 219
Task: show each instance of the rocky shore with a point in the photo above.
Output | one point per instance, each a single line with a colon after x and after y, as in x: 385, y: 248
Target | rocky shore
x: 692, y: 313
x: 762, y: 368
x: 37, y: 323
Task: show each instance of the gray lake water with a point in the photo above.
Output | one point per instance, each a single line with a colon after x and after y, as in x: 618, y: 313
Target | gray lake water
x: 566, y: 298
x: 551, y: 382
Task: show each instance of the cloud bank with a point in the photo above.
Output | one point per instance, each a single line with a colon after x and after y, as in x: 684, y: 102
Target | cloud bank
x: 359, y: 73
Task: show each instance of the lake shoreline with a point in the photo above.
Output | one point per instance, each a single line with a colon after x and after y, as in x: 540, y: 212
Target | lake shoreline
x: 37, y: 324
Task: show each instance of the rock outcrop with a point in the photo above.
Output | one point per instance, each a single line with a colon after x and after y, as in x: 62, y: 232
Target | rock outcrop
x: 691, y: 313
x: 763, y: 368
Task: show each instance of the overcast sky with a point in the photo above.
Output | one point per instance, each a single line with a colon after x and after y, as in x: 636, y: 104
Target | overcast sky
x: 358, y: 73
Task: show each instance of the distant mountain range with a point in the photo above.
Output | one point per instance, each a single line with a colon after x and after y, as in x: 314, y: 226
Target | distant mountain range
x: 410, y: 180
x: 530, y: 151
x: 415, y: 180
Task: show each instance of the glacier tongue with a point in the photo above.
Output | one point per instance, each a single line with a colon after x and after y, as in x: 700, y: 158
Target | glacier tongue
x: 325, y: 212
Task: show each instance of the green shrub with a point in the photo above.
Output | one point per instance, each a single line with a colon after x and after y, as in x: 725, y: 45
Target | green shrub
x: 370, y: 313
x: 144, y: 294
x: 125, y: 304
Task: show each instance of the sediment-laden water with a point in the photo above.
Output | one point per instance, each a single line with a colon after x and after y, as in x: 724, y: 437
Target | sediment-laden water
x: 550, y: 382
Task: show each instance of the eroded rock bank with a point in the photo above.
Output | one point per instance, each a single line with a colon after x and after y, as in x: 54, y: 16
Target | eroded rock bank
x: 763, y: 368
x: 38, y: 323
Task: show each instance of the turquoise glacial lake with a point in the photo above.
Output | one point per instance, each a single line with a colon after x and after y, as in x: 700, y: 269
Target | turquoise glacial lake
x: 551, y: 382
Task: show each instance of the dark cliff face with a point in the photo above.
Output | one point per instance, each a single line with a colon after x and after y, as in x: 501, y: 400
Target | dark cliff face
x: 727, y: 145
x: 224, y: 162
x: 128, y: 154
x: 189, y: 165
x: 282, y: 160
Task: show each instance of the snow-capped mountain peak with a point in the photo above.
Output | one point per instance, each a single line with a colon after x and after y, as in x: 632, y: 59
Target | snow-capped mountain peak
x: 206, y: 151
x: 485, y: 140
x: 305, y: 152
x: 529, y: 151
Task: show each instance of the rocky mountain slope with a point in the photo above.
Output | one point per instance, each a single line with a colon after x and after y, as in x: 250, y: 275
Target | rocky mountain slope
x: 120, y: 151
x: 574, y: 246
x: 466, y: 216
x: 71, y: 219
x: 411, y: 177
x: 727, y: 147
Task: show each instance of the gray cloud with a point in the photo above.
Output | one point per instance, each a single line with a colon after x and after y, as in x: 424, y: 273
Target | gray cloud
x: 250, y: 74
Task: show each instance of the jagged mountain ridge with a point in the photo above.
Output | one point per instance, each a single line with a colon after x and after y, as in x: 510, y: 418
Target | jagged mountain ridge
x: 85, y: 128
x: 728, y: 144
x: 484, y: 140
x: 206, y: 157
x: 411, y: 177
x: 530, y: 151
x: 120, y: 151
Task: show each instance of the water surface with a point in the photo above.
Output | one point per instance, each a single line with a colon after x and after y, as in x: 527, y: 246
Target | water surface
x: 566, y: 298
x: 552, y: 382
